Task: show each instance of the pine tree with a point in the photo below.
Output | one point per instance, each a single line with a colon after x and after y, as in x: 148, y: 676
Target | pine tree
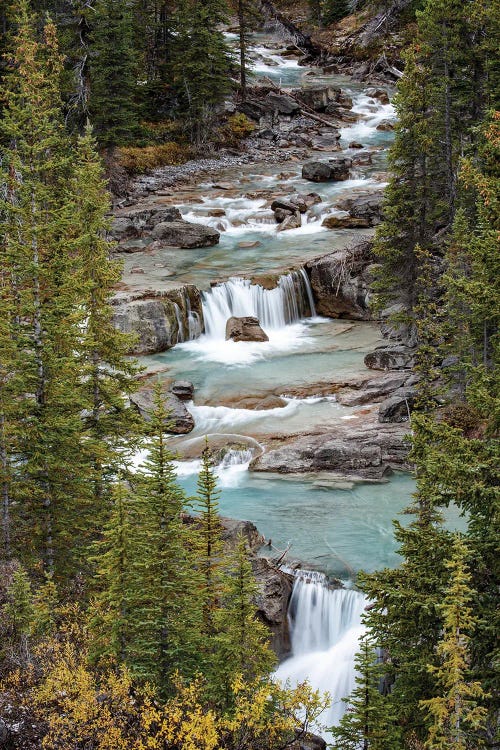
x: 455, y: 713
x: 242, y: 642
x: 18, y: 609
x: 112, y: 614
x: 369, y: 721
x: 335, y: 10
x: 201, y: 63
x: 248, y: 19
x: 41, y: 302
x: 113, y: 79
x: 107, y: 374
x: 45, y: 605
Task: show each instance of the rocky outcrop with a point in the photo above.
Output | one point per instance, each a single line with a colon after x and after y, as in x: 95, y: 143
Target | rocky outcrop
x: 185, y: 234
x: 319, y: 98
x: 341, y: 281
x: 344, y: 222
x: 292, y: 221
x: 320, y: 171
x: 157, y: 321
x: 234, y: 530
x: 380, y: 94
x: 179, y: 420
x: 364, y: 208
x: 370, y: 390
x: 398, y: 407
x: 274, y: 591
x: 397, y: 357
x: 245, y: 329
x: 385, y: 126
x: 137, y: 222
x: 183, y: 389
x: 365, y: 451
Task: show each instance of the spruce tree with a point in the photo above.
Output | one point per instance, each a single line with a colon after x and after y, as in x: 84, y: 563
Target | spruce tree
x: 369, y: 721
x: 18, y: 610
x: 43, y: 312
x: 201, y: 64
x: 242, y: 642
x: 455, y: 713
x: 113, y: 76
x: 248, y: 19
x: 334, y: 10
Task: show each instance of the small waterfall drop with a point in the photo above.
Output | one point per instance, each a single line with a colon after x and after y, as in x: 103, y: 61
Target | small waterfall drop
x: 325, y: 626
x: 287, y: 303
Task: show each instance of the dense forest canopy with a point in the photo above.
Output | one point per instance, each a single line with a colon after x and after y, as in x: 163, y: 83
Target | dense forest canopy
x: 125, y: 622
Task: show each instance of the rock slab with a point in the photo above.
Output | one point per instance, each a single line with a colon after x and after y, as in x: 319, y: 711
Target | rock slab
x: 245, y: 329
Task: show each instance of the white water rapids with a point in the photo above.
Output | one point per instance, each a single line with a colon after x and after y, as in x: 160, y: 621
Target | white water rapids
x: 325, y: 626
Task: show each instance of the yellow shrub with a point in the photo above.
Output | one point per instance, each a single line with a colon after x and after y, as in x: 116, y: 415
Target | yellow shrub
x: 137, y: 160
x: 237, y: 127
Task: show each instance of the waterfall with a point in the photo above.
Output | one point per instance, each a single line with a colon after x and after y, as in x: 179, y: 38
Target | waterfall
x: 235, y: 457
x: 287, y: 303
x: 180, y: 324
x: 325, y: 626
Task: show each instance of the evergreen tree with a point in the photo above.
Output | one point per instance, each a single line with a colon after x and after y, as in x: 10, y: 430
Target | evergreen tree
x: 18, y: 609
x: 113, y: 78
x: 45, y: 605
x: 43, y: 312
x: 242, y: 641
x: 248, y: 19
x: 455, y: 713
x: 335, y: 10
x: 201, y: 64
x: 369, y: 721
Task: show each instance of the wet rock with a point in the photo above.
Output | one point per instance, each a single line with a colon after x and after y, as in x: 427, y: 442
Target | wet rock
x: 179, y: 420
x: 368, y: 450
x: 355, y: 144
x: 233, y: 530
x: 183, y: 389
x: 372, y: 390
x: 341, y: 113
x: 362, y: 160
x: 340, y: 282
x: 291, y: 222
x: 309, y: 742
x: 285, y: 205
x: 343, y: 222
x: 245, y: 329
x: 304, y: 201
x: 385, y: 125
x: 280, y: 214
x: 326, y: 141
x: 380, y: 94
x: 365, y: 207
x: 274, y: 591
x: 320, y: 171
x: 185, y: 234
x: 216, y: 212
x: 255, y: 243
x: 398, y: 407
x: 390, y: 358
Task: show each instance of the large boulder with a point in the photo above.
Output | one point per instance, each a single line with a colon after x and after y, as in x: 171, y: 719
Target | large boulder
x: 326, y: 141
x: 185, y: 234
x: 340, y: 282
x: 179, y: 420
x: 320, y: 171
x: 344, y: 222
x: 291, y: 222
x: 367, y: 208
x: 139, y: 221
x: 398, y: 407
x: 282, y: 103
x: 390, y: 358
x: 380, y: 94
x: 317, y: 97
x: 183, y: 389
x: 245, y: 329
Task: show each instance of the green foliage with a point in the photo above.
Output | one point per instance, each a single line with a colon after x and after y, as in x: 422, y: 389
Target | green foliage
x: 18, y: 610
x: 334, y: 10
x: 456, y: 714
x: 369, y: 722
x: 113, y: 74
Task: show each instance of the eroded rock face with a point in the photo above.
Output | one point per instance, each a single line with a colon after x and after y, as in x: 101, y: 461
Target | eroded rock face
x: 366, y: 208
x: 179, y: 420
x: 245, y: 329
x: 368, y: 451
x: 341, y: 281
x: 185, y: 234
x: 398, y: 407
x: 320, y: 171
x: 274, y: 591
x: 390, y: 358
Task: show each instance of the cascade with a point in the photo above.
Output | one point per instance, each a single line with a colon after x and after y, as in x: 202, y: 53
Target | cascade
x: 287, y: 303
x: 325, y: 626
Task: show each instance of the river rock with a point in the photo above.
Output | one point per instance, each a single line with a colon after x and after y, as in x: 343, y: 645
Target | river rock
x: 245, y: 329
x: 398, y: 407
x: 179, y: 420
x: 282, y: 103
x: 355, y: 144
x: 285, y: 205
x: 344, y: 222
x: 185, y: 234
x: 139, y: 221
x: 380, y: 94
x: 320, y: 171
x: 372, y: 389
x: 183, y: 389
x: 280, y: 214
x: 390, y: 358
x: 326, y: 141
x: 304, y: 201
x: 340, y: 112
x: 317, y: 97
x: 365, y: 207
x: 368, y: 450
x: 291, y: 222
x: 385, y: 125
x: 340, y: 282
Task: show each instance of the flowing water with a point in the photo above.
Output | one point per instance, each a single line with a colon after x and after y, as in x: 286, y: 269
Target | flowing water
x: 337, y: 526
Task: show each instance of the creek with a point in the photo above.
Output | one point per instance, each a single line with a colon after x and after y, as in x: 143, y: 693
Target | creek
x: 336, y: 525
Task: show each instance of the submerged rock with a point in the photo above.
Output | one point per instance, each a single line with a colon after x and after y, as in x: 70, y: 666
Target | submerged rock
x: 245, y: 329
